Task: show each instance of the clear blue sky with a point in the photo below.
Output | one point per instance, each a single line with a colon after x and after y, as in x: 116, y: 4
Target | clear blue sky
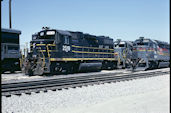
x: 125, y: 19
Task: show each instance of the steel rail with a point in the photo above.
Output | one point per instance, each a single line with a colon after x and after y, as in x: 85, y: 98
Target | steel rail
x: 53, y: 84
x: 56, y: 78
x: 54, y: 81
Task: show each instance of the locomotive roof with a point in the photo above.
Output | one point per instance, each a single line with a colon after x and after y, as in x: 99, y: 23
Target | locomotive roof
x: 59, y: 31
x: 10, y: 30
x: 76, y: 32
x: 128, y: 42
x: 155, y: 41
x: 67, y: 32
x: 105, y: 37
x: 143, y: 39
x: 64, y: 32
x: 146, y: 40
x: 162, y: 42
x: 91, y: 36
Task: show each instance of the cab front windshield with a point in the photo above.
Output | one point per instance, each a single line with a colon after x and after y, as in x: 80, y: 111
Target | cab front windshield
x: 120, y: 45
x: 141, y: 43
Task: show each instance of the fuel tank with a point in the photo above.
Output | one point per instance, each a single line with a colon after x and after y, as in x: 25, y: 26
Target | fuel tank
x: 95, y: 66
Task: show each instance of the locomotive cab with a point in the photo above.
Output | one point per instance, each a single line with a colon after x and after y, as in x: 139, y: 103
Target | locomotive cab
x: 146, y: 54
x: 144, y: 48
x: 46, y: 46
x: 10, y: 50
x: 141, y: 52
x: 123, y: 51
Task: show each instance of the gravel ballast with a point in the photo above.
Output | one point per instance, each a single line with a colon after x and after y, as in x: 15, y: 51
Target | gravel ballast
x: 147, y: 95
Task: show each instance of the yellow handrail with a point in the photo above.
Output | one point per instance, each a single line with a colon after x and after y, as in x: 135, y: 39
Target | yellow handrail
x: 119, y: 60
x: 43, y: 57
x: 124, y: 53
x: 48, y: 51
x: 91, y: 47
x: 92, y: 52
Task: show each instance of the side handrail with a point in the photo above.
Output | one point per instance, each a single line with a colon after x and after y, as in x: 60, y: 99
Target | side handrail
x: 48, y: 51
x: 43, y: 57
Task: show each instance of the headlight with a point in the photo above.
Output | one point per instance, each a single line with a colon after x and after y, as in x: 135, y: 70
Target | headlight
x: 42, y: 33
x: 50, y: 33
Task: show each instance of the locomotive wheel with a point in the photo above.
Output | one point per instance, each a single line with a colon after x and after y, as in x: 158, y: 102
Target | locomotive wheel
x: 72, y: 67
x: 12, y: 71
x: 150, y: 65
x: 75, y: 68
x: 157, y: 65
x: 70, y: 70
x: 153, y: 65
x: 30, y: 72
x: 114, y: 65
x: 2, y: 71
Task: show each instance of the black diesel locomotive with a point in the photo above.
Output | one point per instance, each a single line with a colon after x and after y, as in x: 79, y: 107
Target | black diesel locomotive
x: 150, y: 54
x: 10, y: 50
x: 54, y: 51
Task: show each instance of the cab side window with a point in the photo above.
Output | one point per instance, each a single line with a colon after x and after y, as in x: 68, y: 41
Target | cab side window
x: 150, y: 45
x: 154, y: 46
x: 66, y: 39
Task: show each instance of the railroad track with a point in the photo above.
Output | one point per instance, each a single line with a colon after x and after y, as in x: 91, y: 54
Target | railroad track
x: 17, y: 88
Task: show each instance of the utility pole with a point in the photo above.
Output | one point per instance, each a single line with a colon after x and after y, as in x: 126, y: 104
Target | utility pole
x: 10, y: 25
